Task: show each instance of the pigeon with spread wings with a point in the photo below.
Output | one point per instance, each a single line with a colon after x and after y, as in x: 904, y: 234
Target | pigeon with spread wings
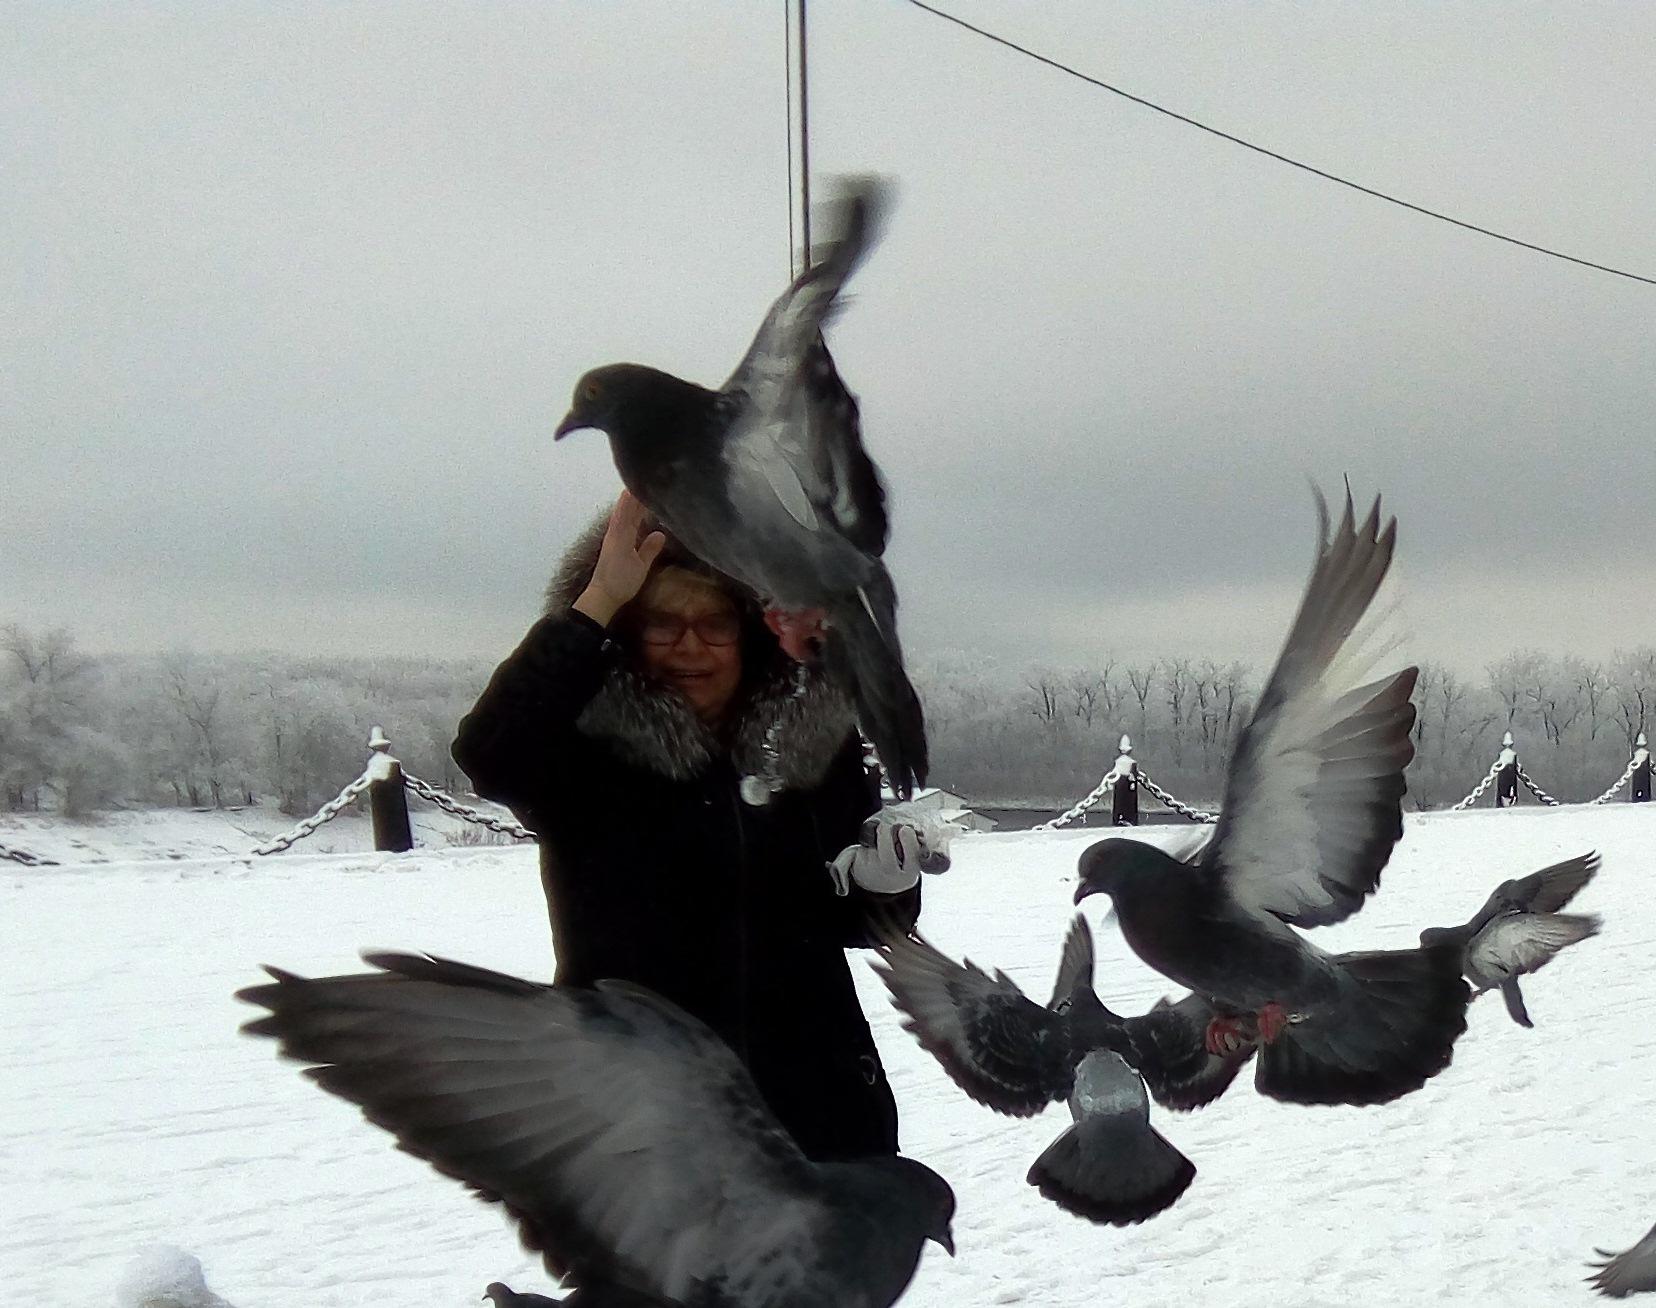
x: 624, y: 1138
x: 1312, y: 807
x: 1011, y: 1054
x: 767, y: 480
x: 1520, y: 930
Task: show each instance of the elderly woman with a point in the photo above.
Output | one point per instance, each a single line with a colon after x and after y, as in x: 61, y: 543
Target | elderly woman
x: 620, y: 730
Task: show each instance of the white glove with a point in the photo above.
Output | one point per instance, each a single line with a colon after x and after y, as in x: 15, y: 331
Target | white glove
x: 894, y: 851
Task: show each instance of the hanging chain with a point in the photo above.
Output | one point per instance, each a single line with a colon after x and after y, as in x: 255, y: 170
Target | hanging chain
x: 1177, y: 805
x: 326, y: 813
x: 425, y: 790
x: 1619, y: 782
x: 1076, y: 810
x: 1536, y: 790
x: 1478, y: 790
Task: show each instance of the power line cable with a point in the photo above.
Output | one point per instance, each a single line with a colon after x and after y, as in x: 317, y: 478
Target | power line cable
x: 1272, y: 154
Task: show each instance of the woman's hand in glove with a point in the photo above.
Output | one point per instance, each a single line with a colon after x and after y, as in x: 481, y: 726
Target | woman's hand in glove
x: 888, y: 860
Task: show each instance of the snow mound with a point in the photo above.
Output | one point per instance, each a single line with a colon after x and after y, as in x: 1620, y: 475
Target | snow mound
x: 164, y: 1276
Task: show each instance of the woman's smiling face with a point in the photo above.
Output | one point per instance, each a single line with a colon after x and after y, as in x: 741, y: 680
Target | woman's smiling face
x: 688, y: 637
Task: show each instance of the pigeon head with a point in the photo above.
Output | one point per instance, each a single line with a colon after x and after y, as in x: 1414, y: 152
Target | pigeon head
x: 1117, y: 864
x: 942, y: 1198
x: 1432, y: 937
x: 627, y: 401
x: 923, y: 1193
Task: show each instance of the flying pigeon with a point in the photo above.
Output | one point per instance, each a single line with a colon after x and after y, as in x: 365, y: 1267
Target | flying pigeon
x: 1632, y: 1271
x: 1520, y: 930
x: 766, y: 479
x: 1011, y: 1054
x: 624, y: 1138
x: 1312, y: 807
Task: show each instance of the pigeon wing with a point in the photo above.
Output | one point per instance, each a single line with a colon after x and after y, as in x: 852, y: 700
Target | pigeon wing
x: 1075, y: 965
x: 1521, y: 943
x: 1313, y: 800
x: 998, y: 1045
x: 1629, y: 1272
x: 796, y: 429
x: 625, y: 1137
x: 1550, y: 889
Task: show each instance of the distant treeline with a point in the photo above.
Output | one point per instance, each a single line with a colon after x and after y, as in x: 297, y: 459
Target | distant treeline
x: 79, y: 733
x: 1045, y: 735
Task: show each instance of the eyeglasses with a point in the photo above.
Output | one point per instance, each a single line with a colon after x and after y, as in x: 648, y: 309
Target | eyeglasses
x: 666, y: 629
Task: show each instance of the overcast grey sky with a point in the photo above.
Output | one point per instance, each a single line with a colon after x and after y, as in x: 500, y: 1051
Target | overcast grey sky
x: 292, y: 294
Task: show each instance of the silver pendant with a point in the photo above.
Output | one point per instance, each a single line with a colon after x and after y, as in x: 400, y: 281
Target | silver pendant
x: 756, y: 792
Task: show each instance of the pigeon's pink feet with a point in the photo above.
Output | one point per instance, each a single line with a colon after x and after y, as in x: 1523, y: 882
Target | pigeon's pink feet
x: 1272, y: 1019
x: 1228, y: 1035
x: 798, y: 631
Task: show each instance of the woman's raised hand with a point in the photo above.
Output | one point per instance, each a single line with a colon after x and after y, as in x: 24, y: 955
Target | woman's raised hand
x: 624, y: 562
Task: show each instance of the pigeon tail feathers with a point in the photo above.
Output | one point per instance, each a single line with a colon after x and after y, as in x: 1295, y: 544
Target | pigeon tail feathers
x: 1112, y: 1169
x: 1515, y: 1003
x: 864, y: 657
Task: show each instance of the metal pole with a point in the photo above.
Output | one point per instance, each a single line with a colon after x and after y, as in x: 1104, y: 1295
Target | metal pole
x: 1124, y: 808
x: 788, y: 128
x: 804, y: 146
x: 387, y: 800
x: 1506, y: 780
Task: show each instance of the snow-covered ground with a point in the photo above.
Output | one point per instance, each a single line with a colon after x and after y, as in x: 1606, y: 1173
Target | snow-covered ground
x: 134, y: 1114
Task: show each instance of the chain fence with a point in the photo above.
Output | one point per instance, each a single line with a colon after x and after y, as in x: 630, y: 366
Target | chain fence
x: 425, y: 790
x: 1626, y: 776
x: 1476, y: 793
x: 1109, y: 779
x: 1536, y: 790
x: 1126, y: 768
x: 1640, y: 758
x: 1177, y: 805
x: 1509, y: 758
x: 327, y: 813
x: 1080, y: 806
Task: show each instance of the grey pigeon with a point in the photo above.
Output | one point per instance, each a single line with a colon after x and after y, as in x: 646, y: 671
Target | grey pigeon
x: 766, y: 479
x: 1011, y: 1054
x: 624, y: 1138
x: 1312, y: 807
x: 1519, y: 930
x: 1633, y: 1271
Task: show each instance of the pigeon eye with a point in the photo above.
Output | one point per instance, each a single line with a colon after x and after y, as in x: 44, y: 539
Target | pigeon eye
x: 591, y: 390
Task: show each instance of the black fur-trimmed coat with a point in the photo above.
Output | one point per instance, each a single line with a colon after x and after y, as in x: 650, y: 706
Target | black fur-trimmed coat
x: 657, y: 872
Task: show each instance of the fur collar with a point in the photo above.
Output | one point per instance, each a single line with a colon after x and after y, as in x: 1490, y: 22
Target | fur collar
x: 653, y: 727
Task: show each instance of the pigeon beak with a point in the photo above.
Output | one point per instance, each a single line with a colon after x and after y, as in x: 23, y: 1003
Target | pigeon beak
x: 947, y: 1241
x: 1084, y: 888
x: 571, y: 422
